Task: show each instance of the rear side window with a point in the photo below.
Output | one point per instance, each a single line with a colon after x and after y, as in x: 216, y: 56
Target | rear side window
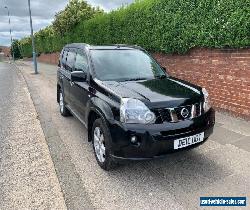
x: 70, y: 60
x: 81, y: 63
x: 63, y: 58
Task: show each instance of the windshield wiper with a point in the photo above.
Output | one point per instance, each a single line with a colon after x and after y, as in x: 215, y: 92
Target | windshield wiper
x: 135, y: 79
x: 160, y: 76
x: 145, y: 78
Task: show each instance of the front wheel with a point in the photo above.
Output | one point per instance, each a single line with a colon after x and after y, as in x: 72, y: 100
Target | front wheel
x: 101, y: 144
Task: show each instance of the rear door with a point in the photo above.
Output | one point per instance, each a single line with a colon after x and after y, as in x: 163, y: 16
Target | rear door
x: 79, y: 90
x: 67, y: 69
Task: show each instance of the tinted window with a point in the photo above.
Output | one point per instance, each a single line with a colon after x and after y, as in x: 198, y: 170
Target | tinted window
x: 63, y: 59
x: 81, y: 63
x: 70, y: 60
x: 122, y: 65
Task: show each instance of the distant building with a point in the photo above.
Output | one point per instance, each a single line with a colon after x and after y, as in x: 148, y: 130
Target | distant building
x: 5, y: 50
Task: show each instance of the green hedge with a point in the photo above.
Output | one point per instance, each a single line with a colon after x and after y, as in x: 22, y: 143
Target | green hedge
x: 169, y: 26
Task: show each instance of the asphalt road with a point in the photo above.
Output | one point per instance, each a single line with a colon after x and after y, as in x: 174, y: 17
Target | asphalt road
x: 220, y: 167
x: 27, y: 175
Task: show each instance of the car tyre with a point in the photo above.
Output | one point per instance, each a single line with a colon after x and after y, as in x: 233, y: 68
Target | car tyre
x: 63, y: 109
x: 101, y: 139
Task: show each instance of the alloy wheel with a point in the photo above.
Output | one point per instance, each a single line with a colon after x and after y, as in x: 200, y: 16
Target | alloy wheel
x: 61, y: 102
x: 99, y: 144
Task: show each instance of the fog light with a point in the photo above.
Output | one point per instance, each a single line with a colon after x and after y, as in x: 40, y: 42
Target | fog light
x: 133, y: 140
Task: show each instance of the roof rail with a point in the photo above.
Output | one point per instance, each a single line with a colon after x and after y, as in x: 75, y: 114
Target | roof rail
x: 126, y: 45
x: 77, y: 44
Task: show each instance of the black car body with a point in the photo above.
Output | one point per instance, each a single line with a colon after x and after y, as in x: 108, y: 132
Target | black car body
x: 180, y: 119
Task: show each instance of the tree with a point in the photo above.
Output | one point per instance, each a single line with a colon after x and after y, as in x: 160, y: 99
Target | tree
x: 15, y: 48
x: 75, y: 11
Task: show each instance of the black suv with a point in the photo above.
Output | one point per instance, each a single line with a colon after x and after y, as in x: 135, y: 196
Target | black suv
x: 132, y: 108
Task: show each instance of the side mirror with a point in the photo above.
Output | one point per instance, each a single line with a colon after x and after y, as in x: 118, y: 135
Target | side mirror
x: 78, y: 76
x: 59, y: 64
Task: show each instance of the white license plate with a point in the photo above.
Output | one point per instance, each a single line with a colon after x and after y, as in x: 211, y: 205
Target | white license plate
x: 187, y: 141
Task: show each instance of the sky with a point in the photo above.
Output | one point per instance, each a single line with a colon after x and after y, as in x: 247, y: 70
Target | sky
x: 43, y: 12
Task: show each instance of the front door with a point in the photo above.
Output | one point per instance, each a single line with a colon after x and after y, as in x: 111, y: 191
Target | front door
x: 79, y: 90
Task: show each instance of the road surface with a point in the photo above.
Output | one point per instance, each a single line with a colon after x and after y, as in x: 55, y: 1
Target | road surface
x: 220, y: 167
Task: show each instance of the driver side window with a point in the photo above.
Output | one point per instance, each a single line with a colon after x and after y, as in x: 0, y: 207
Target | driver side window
x: 81, y: 63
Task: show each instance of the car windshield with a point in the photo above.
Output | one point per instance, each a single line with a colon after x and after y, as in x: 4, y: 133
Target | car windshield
x: 125, y: 65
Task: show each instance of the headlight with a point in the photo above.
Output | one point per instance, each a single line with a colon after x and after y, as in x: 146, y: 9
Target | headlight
x: 206, y: 105
x: 135, y: 111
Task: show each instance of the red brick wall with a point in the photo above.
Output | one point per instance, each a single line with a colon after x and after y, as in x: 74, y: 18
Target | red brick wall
x: 51, y: 58
x: 5, y: 50
x: 224, y: 73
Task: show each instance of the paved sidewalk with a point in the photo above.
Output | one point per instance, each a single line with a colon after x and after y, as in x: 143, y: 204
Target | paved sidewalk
x: 27, y: 176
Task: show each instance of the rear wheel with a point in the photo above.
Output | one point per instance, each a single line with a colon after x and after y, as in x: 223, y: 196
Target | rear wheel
x: 101, y: 144
x: 63, y: 110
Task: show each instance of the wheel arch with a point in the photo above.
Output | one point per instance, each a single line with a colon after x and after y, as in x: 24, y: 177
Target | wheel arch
x: 97, y: 108
x: 92, y: 116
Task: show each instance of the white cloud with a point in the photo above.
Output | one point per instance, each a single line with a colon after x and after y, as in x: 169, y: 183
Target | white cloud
x: 43, y: 12
x: 109, y: 5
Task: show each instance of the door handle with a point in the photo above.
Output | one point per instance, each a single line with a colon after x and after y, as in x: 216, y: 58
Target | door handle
x: 71, y: 83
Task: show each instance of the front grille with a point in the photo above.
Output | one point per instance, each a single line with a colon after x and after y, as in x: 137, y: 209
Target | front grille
x: 165, y: 115
x: 199, y: 109
x: 180, y: 113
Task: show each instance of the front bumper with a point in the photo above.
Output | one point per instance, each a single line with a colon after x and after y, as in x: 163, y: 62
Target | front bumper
x: 158, y: 139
